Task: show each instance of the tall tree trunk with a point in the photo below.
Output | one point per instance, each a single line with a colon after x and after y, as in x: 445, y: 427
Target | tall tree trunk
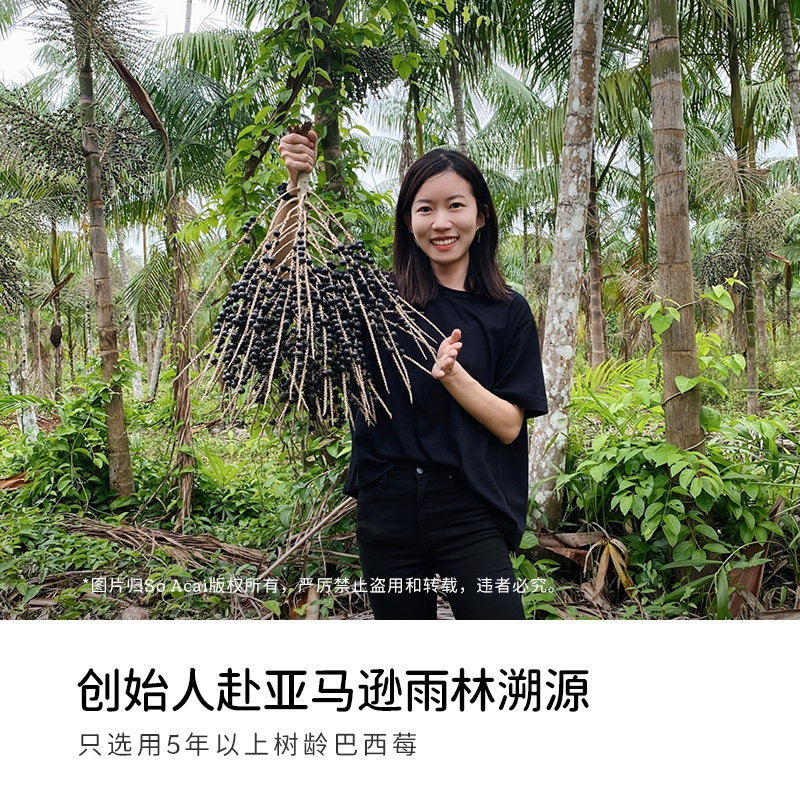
x: 458, y: 104
x: 133, y: 334
x: 148, y: 338
x: 71, y: 347
x: 746, y: 212
x: 18, y: 384
x: 671, y: 190
x: 180, y: 386
x: 790, y: 65
x: 158, y: 354
x: 326, y: 112
x: 58, y: 354
x: 525, y: 269
x: 187, y: 22
x: 758, y: 275
x: 406, y: 148
x: 595, y: 275
x: 787, y: 285
x: 119, y: 458
x: 88, y: 339
x: 549, y: 438
x: 644, y: 215
x: 55, y: 273
x: 417, y: 121
x: 761, y: 316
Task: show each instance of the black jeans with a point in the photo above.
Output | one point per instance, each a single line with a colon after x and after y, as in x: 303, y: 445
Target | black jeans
x: 419, y: 522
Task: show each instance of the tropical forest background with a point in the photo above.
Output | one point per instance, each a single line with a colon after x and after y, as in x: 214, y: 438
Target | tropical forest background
x: 642, y: 160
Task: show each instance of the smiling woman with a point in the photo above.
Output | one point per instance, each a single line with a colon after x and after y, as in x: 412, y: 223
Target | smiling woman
x: 441, y: 481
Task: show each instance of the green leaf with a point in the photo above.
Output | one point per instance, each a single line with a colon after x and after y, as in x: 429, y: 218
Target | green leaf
x: 710, y: 420
x: 704, y: 502
x: 273, y: 606
x: 401, y: 64
x: 723, y: 612
x: 450, y: 5
x: 683, y: 551
x: 599, y: 442
x: 707, y: 531
x: 672, y: 528
x: 684, y: 384
x: 660, y: 322
x: 528, y: 540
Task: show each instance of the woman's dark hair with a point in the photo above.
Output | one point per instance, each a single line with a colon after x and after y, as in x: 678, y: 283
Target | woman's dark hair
x: 412, y: 268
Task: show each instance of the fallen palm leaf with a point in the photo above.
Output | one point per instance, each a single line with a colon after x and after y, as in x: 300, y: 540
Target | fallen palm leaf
x: 552, y: 543
x: 788, y: 613
x: 615, y: 552
x: 14, y: 482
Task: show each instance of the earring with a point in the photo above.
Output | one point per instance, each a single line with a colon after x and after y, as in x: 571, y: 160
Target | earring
x: 478, y: 234
x: 415, y: 241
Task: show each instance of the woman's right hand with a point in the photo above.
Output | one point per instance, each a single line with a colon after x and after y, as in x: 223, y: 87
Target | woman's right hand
x: 299, y: 153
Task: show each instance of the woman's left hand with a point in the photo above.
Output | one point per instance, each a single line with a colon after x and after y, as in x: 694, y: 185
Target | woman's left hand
x: 445, y: 363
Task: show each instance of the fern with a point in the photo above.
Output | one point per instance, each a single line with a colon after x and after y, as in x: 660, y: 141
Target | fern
x: 618, y: 394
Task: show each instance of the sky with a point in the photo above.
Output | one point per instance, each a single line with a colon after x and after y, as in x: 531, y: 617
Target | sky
x: 17, y: 63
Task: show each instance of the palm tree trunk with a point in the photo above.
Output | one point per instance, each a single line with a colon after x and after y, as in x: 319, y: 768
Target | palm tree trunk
x: 790, y: 65
x: 148, y: 338
x: 180, y: 386
x: 88, y: 341
x: 133, y: 334
x: 406, y: 149
x: 187, y: 22
x: 761, y: 317
x: 327, y: 111
x: 549, y: 438
x: 525, y: 268
x: 155, y: 372
x: 747, y: 209
x: 55, y: 272
x: 18, y: 384
x: 71, y: 347
x: 787, y: 285
x: 417, y: 122
x: 644, y: 216
x: 58, y: 354
x: 670, y: 184
x: 458, y: 105
x: 119, y: 459
x: 595, y: 275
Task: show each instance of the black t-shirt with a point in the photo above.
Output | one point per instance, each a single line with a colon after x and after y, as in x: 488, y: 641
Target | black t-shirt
x: 501, y: 351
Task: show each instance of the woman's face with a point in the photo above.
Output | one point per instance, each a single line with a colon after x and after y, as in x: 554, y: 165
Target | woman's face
x: 443, y: 219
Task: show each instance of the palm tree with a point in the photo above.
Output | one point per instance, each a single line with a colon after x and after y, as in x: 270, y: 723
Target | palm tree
x: 84, y: 28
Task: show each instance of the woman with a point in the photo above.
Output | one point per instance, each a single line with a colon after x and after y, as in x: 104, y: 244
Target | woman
x: 442, y: 482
